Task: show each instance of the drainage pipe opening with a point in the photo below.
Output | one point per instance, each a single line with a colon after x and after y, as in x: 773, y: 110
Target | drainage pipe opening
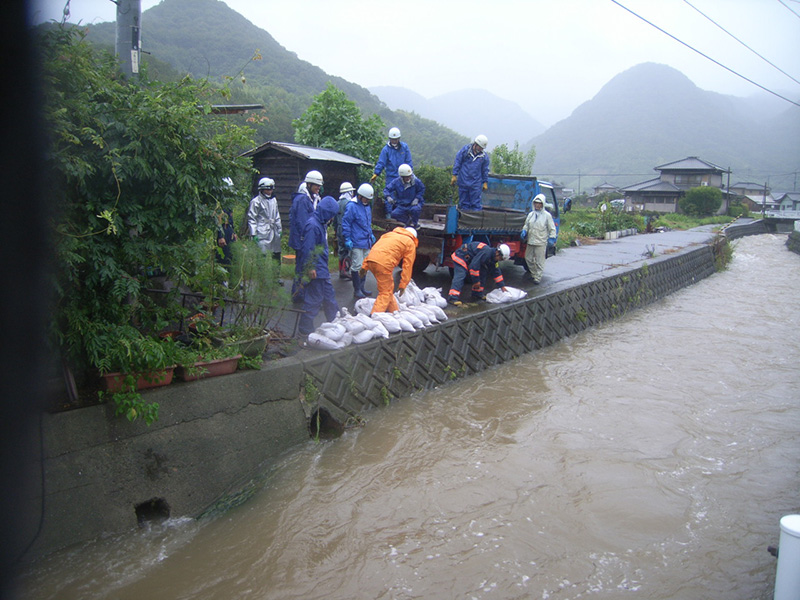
x: 323, y: 426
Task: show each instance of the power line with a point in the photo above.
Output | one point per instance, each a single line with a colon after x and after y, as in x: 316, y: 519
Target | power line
x: 789, y: 9
x: 741, y: 42
x: 716, y: 62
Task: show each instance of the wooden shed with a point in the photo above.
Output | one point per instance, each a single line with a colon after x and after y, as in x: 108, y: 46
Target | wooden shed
x: 288, y: 164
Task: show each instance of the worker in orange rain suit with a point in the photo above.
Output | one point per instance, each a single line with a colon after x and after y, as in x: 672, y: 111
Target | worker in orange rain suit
x: 476, y: 261
x: 391, y: 249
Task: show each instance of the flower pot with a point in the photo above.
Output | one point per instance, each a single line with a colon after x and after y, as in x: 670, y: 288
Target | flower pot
x: 115, y: 382
x: 211, y: 368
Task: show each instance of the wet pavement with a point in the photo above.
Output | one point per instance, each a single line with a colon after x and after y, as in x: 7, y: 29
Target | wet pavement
x: 570, y: 266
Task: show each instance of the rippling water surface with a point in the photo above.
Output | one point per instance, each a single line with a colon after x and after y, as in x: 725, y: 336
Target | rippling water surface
x: 651, y: 457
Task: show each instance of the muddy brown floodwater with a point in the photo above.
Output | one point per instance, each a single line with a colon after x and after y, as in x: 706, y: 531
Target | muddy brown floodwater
x: 649, y: 458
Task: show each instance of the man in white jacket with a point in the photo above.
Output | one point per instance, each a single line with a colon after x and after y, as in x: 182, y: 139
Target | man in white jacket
x: 539, y: 231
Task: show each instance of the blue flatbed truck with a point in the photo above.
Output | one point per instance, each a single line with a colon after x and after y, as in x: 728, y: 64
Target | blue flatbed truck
x: 444, y: 228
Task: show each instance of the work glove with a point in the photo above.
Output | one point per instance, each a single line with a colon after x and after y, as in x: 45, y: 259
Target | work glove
x: 402, y: 291
x: 415, y: 201
x: 524, y: 235
x: 362, y: 272
x: 373, y: 178
x: 348, y: 244
x: 485, y: 186
x: 453, y: 180
x: 551, y: 241
x: 371, y: 239
x: 389, y: 200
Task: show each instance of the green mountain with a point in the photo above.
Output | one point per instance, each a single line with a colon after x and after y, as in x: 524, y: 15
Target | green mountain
x: 652, y: 114
x: 208, y: 39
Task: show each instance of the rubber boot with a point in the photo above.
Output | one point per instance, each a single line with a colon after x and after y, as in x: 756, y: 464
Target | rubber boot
x: 361, y: 281
x: 357, y: 293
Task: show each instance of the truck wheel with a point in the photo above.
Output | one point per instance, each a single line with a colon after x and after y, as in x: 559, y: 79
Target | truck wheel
x: 420, y: 264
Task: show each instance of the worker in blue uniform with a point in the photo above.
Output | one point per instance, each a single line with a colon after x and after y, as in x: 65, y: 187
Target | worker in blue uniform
x: 476, y: 260
x: 358, y: 236
x: 304, y: 203
x: 404, y: 197
x: 471, y: 172
x: 313, y: 259
x: 393, y: 154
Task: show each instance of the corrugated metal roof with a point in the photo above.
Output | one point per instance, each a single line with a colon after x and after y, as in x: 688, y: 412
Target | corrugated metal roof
x: 691, y: 163
x: 307, y: 152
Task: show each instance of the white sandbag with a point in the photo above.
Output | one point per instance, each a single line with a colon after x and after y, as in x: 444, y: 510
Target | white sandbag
x: 353, y: 325
x: 364, y: 306
x: 437, y: 310
x: 334, y: 331
x: 346, y: 340
x: 380, y: 331
x: 428, y: 310
x: 412, y: 318
x: 434, y: 296
x: 498, y: 296
x: 368, y: 321
x: 405, y: 325
x: 423, y: 316
x: 388, y: 321
x: 364, y: 336
x: 322, y: 342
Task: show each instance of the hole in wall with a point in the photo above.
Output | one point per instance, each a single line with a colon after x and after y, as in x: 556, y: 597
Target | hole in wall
x: 155, y: 510
x: 323, y: 426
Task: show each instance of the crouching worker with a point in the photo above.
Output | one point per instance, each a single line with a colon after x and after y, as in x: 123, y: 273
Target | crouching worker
x: 393, y: 247
x: 405, y: 197
x: 314, y: 255
x: 476, y: 260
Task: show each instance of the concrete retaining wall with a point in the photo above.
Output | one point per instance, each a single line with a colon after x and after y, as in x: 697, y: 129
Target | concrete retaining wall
x: 215, y: 437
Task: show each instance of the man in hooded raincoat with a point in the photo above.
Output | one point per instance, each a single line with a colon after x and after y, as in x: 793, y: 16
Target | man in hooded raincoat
x: 405, y: 197
x: 391, y: 249
x: 539, y: 231
x: 314, y: 262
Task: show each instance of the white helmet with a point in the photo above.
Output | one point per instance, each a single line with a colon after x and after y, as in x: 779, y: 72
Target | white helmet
x: 265, y: 182
x: 366, y: 191
x: 539, y: 198
x: 314, y: 177
x: 481, y: 140
x: 412, y: 230
x: 404, y: 171
x: 394, y: 133
x: 505, y: 251
x: 346, y: 187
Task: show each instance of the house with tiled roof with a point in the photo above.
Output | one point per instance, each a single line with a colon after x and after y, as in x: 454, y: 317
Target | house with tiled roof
x: 661, y: 194
x: 756, y: 196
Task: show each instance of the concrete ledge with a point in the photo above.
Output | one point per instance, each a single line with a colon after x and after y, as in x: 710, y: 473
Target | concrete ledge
x: 215, y: 436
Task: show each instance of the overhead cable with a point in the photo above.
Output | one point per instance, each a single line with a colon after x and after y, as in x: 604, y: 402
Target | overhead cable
x: 741, y: 42
x: 716, y: 62
x: 789, y: 9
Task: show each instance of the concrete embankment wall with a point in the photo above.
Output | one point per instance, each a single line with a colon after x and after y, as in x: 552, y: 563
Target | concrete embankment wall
x: 214, y: 438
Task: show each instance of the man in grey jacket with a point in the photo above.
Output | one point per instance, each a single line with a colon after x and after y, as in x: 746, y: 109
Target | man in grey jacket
x: 264, y: 219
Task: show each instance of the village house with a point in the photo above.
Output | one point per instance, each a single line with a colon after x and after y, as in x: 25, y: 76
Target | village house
x: 662, y: 193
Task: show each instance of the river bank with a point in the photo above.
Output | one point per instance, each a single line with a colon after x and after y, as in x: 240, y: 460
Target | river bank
x: 101, y: 474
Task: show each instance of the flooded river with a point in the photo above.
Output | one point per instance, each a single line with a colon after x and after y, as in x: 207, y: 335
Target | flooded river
x: 651, y: 457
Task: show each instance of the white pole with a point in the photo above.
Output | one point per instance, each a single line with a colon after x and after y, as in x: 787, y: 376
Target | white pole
x: 787, y: 578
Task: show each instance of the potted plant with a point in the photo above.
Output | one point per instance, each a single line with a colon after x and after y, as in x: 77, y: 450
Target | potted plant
x: 205, y: 360
x: 129, y: 360
x: 255, y: 298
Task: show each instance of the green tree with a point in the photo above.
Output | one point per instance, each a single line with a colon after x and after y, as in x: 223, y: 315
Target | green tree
x: 437, y: 184
x: 137, y: 169
x: 701, y: 201
x: 514, y: 161
x: 334, y: 122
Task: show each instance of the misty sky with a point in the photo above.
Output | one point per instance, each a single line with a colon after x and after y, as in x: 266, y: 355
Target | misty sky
x: 549, y: 56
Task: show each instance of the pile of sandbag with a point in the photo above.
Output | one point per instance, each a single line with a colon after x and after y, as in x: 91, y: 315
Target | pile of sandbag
x: 417, y: 309
x: 511, y: 294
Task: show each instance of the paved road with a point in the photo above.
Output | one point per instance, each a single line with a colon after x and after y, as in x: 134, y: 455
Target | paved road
x: 567, y: 268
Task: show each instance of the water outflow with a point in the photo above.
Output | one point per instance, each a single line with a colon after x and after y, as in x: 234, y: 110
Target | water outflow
x: 651, y: 457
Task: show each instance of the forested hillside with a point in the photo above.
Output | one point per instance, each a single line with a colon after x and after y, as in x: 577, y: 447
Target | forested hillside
x: 652, y: 114
x: 207, y: 39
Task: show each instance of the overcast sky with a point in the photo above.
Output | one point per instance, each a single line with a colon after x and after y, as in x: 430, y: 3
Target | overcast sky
x: 549, y: 56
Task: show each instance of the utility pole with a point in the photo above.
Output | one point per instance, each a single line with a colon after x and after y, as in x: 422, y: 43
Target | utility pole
x: 128, y: 40
x: 764, y: 204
